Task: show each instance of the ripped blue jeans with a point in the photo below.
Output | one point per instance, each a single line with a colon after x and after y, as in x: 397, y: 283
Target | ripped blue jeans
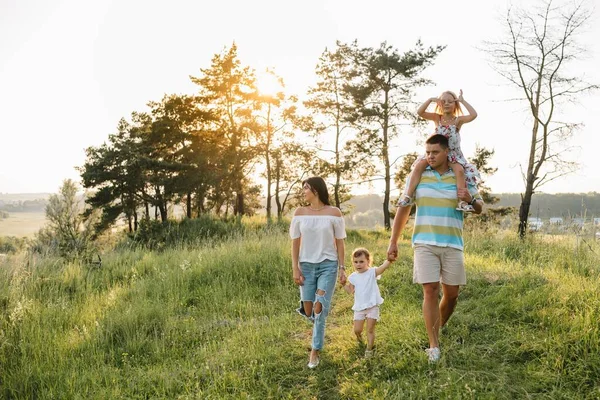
x: 318, y: 277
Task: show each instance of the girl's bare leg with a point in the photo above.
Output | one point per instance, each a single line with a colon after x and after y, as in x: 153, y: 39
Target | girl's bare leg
x: 461, y: 183
x: 413, y: 180
x: 358, y: 329
x: 459, y: 172
x: 371, y: 333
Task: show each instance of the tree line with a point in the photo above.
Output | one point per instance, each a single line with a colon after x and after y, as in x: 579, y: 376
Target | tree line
x: 37, y: 205
x: 564, y: 205
x: 202, y: 149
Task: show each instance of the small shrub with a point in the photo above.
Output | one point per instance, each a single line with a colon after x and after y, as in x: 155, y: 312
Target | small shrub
x: 157, y: 235
x: 11, y: 244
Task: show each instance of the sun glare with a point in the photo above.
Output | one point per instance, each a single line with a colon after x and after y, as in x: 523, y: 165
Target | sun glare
x: 268, y: 84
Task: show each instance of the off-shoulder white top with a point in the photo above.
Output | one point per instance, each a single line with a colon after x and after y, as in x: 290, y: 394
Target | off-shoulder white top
x: 318, y: 234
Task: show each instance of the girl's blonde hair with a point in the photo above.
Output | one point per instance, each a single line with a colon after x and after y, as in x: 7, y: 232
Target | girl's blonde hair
x: 361, y: 251
x: 457, y: 110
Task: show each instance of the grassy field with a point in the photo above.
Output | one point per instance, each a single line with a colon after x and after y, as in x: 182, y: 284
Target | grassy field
x: 217, y: 322
x: 22, y: 224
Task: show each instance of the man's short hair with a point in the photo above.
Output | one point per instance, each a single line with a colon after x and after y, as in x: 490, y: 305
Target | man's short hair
x: 438, y: 139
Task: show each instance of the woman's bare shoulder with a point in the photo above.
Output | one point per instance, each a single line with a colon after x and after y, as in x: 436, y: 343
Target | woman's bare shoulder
x: 333, y: 211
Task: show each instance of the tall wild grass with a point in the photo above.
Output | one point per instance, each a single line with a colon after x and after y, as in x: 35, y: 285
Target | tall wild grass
x: 211, y: 317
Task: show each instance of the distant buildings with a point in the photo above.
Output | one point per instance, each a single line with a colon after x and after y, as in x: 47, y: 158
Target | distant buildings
x: 578, y: 222
x: 563, y: 224
x: 534, y: 224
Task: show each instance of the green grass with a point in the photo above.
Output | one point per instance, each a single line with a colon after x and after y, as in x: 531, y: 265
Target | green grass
x: 216, y: 321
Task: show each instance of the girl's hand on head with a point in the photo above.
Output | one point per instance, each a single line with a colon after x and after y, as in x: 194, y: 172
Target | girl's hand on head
x: 460, y: 95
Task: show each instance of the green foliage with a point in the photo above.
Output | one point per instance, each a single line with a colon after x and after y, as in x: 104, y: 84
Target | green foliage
x: 330, y: 121
x: 156, y: 235
x: 276, y: 123
x: 154, y: 160
x: 292, y: 162
x: 67, y: 234
x: 227, y: 87
x: 404, y: 170
x: 11, y: 244
x: 481, y: 160
x: 382, y: 93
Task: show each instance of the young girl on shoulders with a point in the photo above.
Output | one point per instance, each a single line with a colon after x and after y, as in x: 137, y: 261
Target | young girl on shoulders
x: 448, y: 119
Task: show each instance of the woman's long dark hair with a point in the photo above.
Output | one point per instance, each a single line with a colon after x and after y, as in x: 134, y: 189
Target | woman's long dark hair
x: 318, y: 187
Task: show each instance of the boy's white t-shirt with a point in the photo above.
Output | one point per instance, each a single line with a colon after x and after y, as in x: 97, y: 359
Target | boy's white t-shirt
x: 366, y: 291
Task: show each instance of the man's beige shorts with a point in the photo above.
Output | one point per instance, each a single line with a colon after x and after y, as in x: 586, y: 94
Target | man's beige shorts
x: 433, y: 262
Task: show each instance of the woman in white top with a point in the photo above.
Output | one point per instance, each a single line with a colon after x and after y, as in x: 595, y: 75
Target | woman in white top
x: 317, y: 233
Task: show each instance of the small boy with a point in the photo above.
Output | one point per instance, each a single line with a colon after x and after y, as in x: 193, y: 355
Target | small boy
x: 367, y: 298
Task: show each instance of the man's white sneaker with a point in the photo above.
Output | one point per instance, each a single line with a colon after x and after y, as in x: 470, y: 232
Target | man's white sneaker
x: 433, y: 354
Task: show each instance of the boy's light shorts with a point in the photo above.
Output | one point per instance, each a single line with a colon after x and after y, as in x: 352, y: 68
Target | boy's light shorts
x: 435, y: 263
x: 372, y: 313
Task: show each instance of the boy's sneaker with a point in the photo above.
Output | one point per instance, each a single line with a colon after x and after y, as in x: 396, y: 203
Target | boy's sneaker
x: 368, y: 353
x: 405, y: 201
x: 465, y: 207
x: 433, y: 354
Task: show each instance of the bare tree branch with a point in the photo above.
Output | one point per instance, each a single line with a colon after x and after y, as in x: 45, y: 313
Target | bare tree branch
x: 539, y: 44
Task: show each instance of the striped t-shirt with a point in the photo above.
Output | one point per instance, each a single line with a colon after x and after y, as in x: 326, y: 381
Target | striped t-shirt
x: 437, y: 222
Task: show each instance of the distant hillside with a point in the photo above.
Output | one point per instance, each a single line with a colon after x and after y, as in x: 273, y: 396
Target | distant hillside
x: 366, y: 203
x: 11, y: 197
x: 24, y: 202
x: 544, y: 205
x: 367, y: 211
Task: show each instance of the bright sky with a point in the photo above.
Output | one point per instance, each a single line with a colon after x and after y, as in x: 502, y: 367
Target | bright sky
x: 69, y: 70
